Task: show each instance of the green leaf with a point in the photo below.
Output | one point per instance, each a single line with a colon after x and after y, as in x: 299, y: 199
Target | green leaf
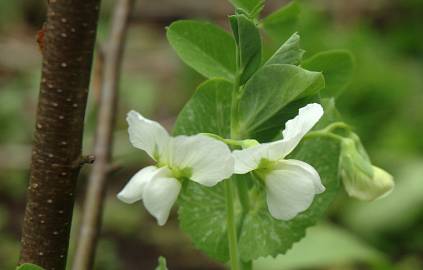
x: 202, y: 215
x: 262, y: 235
x: 283, y: 22
x: 252, y: 7
x: 272, y: 88
x: 336, y: 65
x: 162, y: 264
x: 29, y: 266
x: 248, y: 39
x: 205, y: 47
x: 317, y: 251
x: 289, y: 53
x: 208, y: 110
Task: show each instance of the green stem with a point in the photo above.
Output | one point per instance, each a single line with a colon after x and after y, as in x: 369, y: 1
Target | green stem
x: 231, y: 226
x: 337, y: 125
x: 235, y: 99
x: 322, y: 133
x: 234, y: 110
x: 229, y: 192
x: 232, y: 142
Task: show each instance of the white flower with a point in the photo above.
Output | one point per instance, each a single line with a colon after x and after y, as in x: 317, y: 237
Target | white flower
x: 290, y: 184
x: 361, y: 179
x: 199, y: 158
x: 366, y: 188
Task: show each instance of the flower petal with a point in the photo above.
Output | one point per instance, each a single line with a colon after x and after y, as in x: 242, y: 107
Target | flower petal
x: 384, y: 181
x: 133, y: 190
x: 289, y: 191
x: 247, y: 160
x: 160, y: 194
x: 303, y: 168
x: 296, y: 128
x: 205, y: 160
x: 147, y: 135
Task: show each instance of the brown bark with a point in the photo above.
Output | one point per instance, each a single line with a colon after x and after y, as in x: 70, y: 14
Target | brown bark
x: 94, y: 198
x: 68, y: 42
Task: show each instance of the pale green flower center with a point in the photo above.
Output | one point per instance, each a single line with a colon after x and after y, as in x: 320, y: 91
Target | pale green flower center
x: 265, y: 167
x: 181, y: 173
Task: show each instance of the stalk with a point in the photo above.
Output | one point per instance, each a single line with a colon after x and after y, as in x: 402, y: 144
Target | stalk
x: 231, y: 226
x: 67, y: 44
x: 229, y: 192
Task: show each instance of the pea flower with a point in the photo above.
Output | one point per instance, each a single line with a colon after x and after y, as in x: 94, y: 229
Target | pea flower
x: 290, y: 184
x: 361, y: 179
x: 199, y: 158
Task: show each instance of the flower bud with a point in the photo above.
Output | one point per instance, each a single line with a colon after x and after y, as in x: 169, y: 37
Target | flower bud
x: 384, y: 180
x: 361, y: 179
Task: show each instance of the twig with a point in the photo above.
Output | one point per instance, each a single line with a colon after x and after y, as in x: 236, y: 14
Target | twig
x: 68, y: 40
x: 97, y: 74
x: 94, y: 198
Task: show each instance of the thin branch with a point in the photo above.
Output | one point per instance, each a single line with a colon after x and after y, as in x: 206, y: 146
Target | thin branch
x: 67, y: 41
x: 94, y: 198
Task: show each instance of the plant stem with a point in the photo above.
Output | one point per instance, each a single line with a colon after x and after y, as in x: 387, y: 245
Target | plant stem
x: 336, y: 125
x: 67, y: 44
x: 322, y: 133
x: 231, y: 226
x: 230, y: 218
x: 229, y: 192
x: 234, y: 112
x: 235, y: 100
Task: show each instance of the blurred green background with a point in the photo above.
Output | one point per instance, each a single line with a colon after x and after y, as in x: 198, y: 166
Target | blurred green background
x: 384, y: 103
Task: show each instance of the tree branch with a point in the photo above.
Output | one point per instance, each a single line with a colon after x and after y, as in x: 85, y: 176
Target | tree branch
x: 68, y: 41
x: 94, y: 197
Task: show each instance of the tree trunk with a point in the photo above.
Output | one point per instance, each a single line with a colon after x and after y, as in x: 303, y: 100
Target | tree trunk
x: 67, y: 43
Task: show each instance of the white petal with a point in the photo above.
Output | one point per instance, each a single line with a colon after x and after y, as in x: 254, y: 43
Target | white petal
x: 160, y: 194
x: 303, y: 168
x: 207, y: 160
x: 147, y: 135
x: 289, y: 190
x: 249, y: 159
x: 134, y: 189
x: 296, y: 128
x: 384, y: 180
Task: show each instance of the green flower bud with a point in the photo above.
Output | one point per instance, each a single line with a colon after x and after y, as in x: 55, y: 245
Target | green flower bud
x: 249, y: 143
x: 384, y: 180
x: 361, y: 179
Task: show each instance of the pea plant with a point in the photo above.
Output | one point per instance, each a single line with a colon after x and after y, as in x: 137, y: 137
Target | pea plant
x: 259, y: 151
